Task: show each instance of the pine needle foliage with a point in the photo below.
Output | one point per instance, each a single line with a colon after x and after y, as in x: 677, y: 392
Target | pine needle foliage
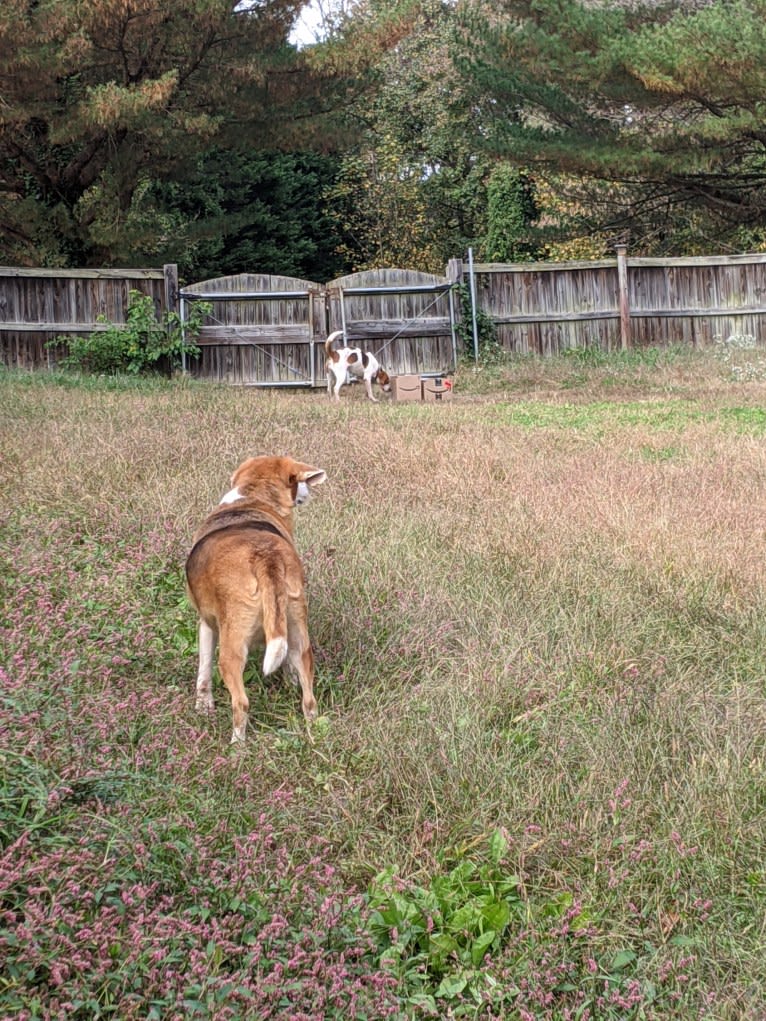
x: 656, y: 108
x: 102, y: 97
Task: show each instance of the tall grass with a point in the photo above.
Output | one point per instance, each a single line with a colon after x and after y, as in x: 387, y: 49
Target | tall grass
x: 536, y: 787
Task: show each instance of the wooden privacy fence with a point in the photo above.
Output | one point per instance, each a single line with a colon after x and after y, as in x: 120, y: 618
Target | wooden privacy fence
x: 407, y: 319
x: 613, y: 304
x: 37, y: 305
x: 270, y: 331
x: 262, y: 329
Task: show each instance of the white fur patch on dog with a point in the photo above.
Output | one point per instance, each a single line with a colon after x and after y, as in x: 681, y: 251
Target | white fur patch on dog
x: 276, y: 651
x: 232, y: 496
x: 303, y: 495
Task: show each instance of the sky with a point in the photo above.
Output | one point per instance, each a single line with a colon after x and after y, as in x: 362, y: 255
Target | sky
x: 307, y: 27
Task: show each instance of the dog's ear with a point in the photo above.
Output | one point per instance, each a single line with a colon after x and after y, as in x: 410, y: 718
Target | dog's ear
x: 302, y: 478
x: 311, y: 476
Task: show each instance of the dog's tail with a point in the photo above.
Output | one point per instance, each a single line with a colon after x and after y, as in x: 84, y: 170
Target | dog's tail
x: 270, y: 575
x: 337, y: 335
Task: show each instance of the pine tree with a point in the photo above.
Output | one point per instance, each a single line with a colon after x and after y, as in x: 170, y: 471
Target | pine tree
x: 253, y: 211
x: 100, y: 98
x: 656, y: 112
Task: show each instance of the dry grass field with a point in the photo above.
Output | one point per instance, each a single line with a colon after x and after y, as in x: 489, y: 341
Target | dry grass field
x: 536, y: 788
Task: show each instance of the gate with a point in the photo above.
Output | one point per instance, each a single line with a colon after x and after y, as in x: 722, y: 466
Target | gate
x: 405, y: 318
x: 270, y: 330
x: 262, y: 331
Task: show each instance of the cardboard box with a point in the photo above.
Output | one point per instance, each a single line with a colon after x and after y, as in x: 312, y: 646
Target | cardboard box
x: 437, y: 388
x: 406, y: 388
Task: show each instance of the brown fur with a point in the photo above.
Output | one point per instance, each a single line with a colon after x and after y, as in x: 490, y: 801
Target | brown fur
x: 246, y: 581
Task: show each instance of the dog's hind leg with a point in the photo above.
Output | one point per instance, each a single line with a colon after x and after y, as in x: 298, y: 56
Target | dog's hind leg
x: 231, y: 663
x: 301, y: 660
x: 334, y: 383
x: 207, y: 639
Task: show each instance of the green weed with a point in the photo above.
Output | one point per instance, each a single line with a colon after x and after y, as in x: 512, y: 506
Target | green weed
x: 435, y: 939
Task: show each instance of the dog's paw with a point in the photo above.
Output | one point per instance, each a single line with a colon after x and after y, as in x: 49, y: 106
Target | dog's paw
x: 204, y: 703
x: 310, y: 711
x: 237, y: 742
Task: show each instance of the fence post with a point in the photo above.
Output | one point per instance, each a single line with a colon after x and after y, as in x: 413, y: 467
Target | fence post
x: 474, y: 325
x: 170, y: 272
x: 454, y: 271
x: 622, y: 285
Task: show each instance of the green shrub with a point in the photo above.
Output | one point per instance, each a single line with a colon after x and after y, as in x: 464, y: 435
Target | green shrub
x: 511, y: 209
x: 142, y: 344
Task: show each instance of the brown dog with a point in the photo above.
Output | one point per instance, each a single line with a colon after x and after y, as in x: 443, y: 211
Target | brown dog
x: 245, y: 579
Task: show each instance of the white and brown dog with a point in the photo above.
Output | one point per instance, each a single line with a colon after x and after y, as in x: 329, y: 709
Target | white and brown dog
x: 245, y: 579
x: 352, y: 361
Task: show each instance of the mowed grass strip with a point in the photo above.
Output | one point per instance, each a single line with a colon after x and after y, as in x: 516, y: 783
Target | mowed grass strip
x: 540, y: 632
